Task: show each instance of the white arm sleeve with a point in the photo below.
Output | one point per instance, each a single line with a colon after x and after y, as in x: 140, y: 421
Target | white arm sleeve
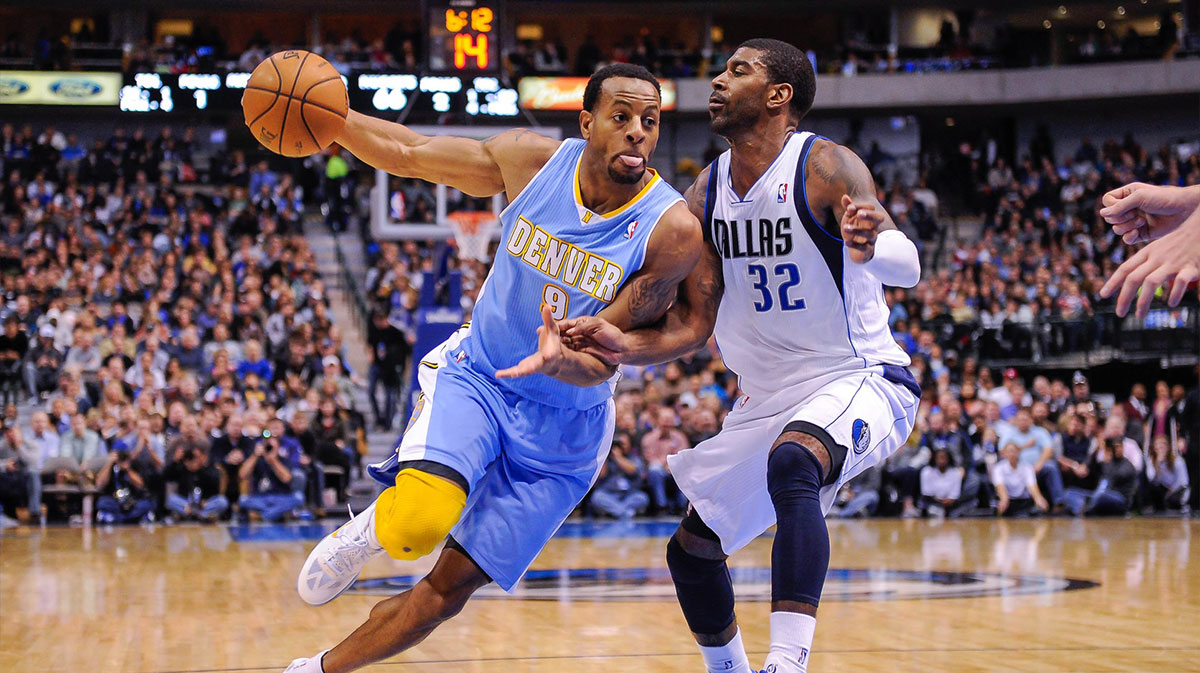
x: 896, y: 262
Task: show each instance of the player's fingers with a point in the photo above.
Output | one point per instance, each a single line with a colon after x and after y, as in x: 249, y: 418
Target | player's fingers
x: 583, y: 326
x: 1134, y: 223
x: 1149, y: 288
x: 1110, y: 197
x: 1186, y: 276
x: 1133, y: 280
x: 548, y: 322
x: 1117, y: 217
x: 525, y: 367
x: 1139, y: 235
x: 603, y: 354
x: 1121, y: 200
x: 1122, y: 271
x: 868, y: 211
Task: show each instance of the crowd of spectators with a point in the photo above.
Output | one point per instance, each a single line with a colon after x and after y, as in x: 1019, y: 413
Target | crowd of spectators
x: 1029, y: 286
x: 166, y: 342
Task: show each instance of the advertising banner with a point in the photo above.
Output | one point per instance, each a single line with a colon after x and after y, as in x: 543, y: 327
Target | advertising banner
x: 23, y: 87
x: 566, y: 93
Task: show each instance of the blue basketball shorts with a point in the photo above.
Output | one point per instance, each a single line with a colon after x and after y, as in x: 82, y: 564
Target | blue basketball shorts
x: 527, y: 465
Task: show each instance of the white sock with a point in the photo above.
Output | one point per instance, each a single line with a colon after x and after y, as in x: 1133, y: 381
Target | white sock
x: 791, y: 640
x: 728, y: 658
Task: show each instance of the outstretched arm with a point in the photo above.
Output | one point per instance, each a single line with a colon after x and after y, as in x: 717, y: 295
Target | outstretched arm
x: 685, y: 327
x: 504, y: 162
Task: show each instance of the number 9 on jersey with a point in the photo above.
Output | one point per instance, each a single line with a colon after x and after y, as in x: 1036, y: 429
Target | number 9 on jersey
x: 556, y: 298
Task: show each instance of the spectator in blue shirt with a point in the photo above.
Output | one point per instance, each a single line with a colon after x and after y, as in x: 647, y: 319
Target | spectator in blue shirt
x: 255, y: 362
x: 1036, y: 448
x: 619, y: 491
x: 274, y: 475
x: 189, y: 351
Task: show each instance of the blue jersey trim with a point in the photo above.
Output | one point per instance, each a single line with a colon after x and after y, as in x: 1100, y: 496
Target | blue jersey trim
x: 828, y: 245
x: 710, y: 197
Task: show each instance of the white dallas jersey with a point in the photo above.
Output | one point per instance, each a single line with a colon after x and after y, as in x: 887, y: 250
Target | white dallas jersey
x: 795, y: 307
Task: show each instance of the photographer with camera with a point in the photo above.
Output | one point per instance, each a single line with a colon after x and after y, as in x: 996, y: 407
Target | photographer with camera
x: 125, y: 498
x: 275, y: 481
x: 21, y: 463
x: 199, y: 487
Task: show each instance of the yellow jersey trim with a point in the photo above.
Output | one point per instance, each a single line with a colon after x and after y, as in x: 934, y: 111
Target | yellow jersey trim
x: 638, y: 197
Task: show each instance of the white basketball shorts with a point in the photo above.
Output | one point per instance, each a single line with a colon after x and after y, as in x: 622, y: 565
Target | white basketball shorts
x: 870, y: 412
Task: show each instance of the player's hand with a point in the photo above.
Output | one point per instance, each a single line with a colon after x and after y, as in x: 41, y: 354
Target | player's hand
x: 549, y: 355
x: 1173, y: 259
x: 860, y: 225
x: 596, y: 337
x: 1139, y: 212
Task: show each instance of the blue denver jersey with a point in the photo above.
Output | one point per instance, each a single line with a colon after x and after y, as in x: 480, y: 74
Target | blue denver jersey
x: 555, y: 251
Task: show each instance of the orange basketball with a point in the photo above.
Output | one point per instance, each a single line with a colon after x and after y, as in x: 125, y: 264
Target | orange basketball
x: 295, y: 103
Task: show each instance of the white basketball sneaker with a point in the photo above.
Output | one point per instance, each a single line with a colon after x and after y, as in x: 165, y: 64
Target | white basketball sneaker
x: 306, y: 665
x: 336, y: 561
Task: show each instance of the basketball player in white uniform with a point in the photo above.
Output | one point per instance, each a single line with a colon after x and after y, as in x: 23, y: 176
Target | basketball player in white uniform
x: 799, y: 251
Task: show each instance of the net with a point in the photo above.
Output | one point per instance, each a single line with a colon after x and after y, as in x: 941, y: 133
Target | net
x: 473, y: 233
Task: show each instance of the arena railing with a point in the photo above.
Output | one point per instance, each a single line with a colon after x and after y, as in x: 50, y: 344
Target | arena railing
x: 350, y: 288
x: 1170, y: 336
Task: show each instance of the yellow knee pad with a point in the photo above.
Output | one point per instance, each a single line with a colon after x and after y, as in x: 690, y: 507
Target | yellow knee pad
x: 416, y: 514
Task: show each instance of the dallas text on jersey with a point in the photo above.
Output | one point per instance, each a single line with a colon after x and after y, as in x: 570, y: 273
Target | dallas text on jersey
x: 752, y: 238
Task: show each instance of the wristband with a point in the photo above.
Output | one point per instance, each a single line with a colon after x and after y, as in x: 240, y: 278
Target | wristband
x: 896, y: 262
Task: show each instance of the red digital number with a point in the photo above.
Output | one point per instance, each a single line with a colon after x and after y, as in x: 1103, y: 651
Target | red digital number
x: 465, y: 46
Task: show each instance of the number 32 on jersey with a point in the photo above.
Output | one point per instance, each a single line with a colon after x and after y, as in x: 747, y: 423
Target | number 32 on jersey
x: 787, y: 275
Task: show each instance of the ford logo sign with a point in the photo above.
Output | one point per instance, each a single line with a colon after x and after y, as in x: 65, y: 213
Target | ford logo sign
x: 12, y: 87
x: 75, y: 88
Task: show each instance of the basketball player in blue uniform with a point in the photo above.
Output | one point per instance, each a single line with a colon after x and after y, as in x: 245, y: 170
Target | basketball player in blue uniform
x: 491, y: 462
x: 798, y: 251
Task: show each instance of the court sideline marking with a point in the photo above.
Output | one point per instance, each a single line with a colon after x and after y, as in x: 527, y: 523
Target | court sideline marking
x: 1179, y: 648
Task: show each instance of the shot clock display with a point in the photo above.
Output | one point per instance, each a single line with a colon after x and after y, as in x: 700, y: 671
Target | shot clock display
x: 464, y: 35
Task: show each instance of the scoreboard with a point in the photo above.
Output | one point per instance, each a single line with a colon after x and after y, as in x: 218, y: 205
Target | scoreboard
x: 463, y: 36
x: 476, y: 95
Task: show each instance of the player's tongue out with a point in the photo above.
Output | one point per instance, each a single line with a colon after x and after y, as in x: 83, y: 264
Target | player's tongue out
x: 630, y: 160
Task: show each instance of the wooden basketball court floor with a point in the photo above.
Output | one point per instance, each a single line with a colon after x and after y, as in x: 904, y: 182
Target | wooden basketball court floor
x: 1046, y: 596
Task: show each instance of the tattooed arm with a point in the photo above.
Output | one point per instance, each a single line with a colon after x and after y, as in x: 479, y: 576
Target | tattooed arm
x: 684, y: 328
x: 841, y: 192
x: 670, y: 255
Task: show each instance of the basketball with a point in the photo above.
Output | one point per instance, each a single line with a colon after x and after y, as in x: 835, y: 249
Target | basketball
x: 295, y: 103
